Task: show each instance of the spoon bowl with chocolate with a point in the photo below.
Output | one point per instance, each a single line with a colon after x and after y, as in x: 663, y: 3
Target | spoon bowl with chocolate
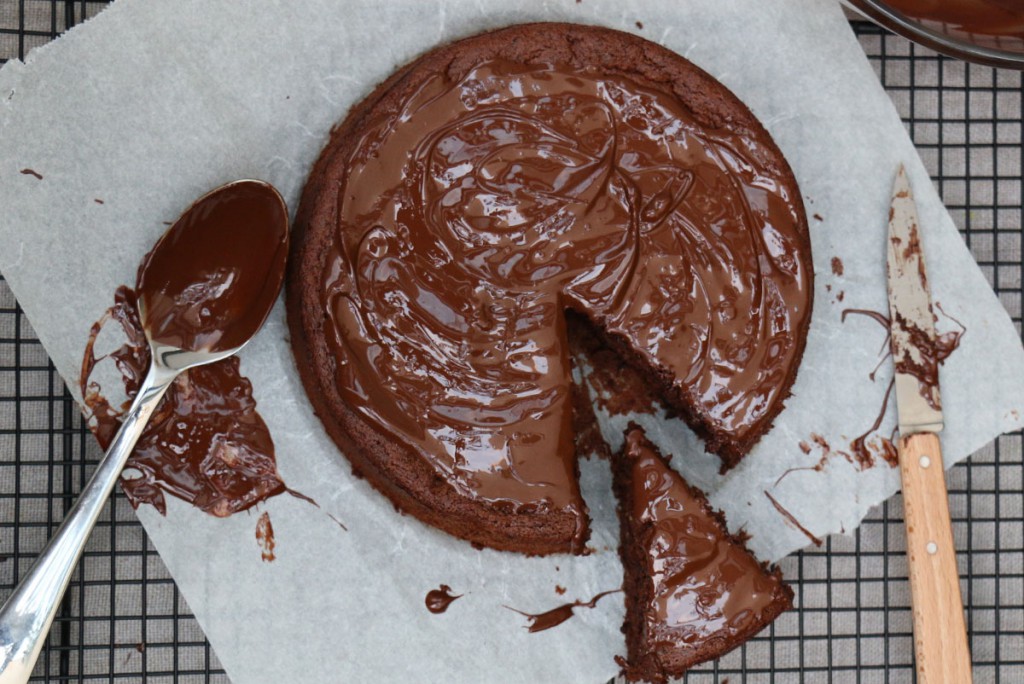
x: 204, y: 291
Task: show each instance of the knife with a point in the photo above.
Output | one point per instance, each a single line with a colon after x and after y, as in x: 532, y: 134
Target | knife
x: 940, y: 635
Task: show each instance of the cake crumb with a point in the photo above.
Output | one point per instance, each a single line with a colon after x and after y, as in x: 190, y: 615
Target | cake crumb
x: 265, y: 537
x: 640, y: 25
x: 805, y: 447
x: 97, y: 200
x: 32, y: 172
x: 837, y: 266
x: 817, y: 217
x: 559, y: 589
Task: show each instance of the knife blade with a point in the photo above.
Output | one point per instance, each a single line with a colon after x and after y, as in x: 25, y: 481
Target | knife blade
x: 940, y: 637
x: 912, y: 321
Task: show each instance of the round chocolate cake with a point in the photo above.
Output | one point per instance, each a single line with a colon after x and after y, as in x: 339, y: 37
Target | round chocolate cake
x: 492, y: 186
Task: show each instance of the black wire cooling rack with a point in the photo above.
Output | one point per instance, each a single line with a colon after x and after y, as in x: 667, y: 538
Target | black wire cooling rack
x: 123, y: 618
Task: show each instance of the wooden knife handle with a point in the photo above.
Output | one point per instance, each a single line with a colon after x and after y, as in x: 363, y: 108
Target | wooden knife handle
x: 940, y: 635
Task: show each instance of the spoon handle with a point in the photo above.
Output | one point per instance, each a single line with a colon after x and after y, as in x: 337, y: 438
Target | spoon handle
x: 26, y: 616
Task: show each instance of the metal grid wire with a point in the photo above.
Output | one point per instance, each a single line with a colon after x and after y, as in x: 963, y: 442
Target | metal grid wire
x: 123, y: 618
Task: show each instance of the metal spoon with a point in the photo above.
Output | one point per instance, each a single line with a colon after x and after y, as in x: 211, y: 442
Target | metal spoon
x: 200, y: 255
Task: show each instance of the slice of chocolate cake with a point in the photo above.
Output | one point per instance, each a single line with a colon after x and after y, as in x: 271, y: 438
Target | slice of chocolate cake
x: 693, y: 591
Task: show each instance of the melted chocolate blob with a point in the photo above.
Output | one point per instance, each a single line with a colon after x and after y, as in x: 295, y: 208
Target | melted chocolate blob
x: 209, y: 283
x: 556, y: 616
x: 205, y: 444
x: 438, y: 600
x: 471, y: 219
x: 980, y: 21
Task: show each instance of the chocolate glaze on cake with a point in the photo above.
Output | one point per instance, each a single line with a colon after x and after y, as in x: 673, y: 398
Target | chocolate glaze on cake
x: 693, y: 591
x: 490, y: 186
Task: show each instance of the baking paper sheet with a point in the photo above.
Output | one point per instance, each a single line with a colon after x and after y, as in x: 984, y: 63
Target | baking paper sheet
x: 182, y: 96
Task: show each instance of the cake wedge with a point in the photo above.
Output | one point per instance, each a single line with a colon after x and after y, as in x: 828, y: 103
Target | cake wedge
x: 693, y: 590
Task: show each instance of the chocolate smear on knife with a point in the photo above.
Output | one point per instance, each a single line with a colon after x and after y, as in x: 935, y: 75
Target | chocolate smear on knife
x: 934, y: 353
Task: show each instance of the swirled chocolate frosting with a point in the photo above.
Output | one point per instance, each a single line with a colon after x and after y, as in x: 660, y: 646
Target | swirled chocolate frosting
x: 483, y: 192
x: 474, y: 216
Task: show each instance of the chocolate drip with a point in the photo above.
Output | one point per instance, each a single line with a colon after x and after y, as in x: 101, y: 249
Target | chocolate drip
x: 934, y: 354
x: 205, y: 444
x: 791, y: 519
x: 864, y: 456
x: 438, y: 600
x: 472, y: 217
x: 556, y: 616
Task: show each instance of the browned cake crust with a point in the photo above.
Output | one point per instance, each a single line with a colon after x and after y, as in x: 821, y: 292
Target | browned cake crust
x: 411, y: 483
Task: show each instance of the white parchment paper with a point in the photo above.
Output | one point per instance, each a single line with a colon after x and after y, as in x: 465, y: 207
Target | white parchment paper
x: 182, y: 96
